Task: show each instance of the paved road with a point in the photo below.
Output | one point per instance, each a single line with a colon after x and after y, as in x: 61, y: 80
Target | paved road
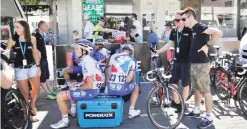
x: 224, y: 117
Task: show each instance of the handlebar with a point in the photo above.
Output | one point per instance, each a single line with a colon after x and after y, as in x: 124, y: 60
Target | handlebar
x: 156, y: 73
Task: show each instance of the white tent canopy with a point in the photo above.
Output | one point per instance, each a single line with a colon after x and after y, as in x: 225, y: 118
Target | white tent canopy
x: 12, y: 8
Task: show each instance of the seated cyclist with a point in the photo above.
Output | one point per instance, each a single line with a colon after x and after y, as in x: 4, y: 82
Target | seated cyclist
x: 101, y: 55
x: 92, y: 82
x: 73, y: 67
x: 122, y: 68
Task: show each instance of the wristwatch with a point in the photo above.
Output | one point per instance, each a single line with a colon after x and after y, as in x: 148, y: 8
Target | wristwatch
x: 38, y: 65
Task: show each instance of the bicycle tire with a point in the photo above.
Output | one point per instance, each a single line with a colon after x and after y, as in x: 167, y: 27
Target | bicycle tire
x: 17, y: 95
x: 149, y: 105
x: 243, y: 89
x: 219, y: 90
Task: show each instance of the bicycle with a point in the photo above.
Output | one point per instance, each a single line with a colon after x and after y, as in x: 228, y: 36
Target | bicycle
x: 15, y: 111
x: 233, y: 87
x: 161, y: 96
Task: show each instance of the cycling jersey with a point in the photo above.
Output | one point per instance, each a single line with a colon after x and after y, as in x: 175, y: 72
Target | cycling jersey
x: 101, y: 57
x: 120, y: 66
x: 91, y: 68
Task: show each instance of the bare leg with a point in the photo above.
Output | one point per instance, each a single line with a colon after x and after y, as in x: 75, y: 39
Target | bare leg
x: 61, y: 101
x: 35, y: 83
x: 208, y: 102
x: 45, y: 87
x: 23, y: 86
x: 66, y: 72
x: 134, y: 96
x: 186, y: 91
x: 175, y: 96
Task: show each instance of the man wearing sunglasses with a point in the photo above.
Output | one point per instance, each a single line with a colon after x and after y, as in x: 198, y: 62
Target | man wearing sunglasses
x: 200, y: 66
x: 98, y: 29
x: 180, y: 38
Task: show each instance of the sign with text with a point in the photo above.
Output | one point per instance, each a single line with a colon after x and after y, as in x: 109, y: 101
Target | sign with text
x: 93, y: 9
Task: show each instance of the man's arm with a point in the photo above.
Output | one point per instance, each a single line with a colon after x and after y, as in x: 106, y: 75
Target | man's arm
x: 107, y: 30
x: 36, y: 53
x: 215, y: 35
x: 164, y: 48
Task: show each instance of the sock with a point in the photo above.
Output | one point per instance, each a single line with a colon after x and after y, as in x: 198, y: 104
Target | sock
x: 73, y: 108
x: 196, y: 110
x: 208, y: 116
x: 65, y: 118
x: 131, y: 109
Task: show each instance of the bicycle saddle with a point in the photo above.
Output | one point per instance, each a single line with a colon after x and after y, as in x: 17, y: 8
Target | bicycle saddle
x: 216, y: 47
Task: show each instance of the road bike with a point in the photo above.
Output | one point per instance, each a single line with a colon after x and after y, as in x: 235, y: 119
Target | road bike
x: 232, y: 82
x: 161, y: 97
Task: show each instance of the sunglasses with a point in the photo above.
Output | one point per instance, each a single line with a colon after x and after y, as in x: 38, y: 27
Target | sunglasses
x: 184, y: 19
x: 96, y: 44
x: 177, y: 20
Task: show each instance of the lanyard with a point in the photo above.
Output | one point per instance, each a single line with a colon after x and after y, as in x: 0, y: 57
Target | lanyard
x: 23, y: 50
x: 178, y: 39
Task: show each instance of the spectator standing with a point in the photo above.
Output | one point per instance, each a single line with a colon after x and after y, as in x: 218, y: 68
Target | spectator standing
x: 119, y: 39
x: 138, y: 26
x: 88, y: 30
x: 98, y: 29
x: 180, y: 39
x: 75, y: 36
x: 202, y: 38
x: 41, y: 43
x: 134, y: 35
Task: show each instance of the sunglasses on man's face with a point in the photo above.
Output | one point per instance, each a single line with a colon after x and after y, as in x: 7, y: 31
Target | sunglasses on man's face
x: 184, y: 19
x: 96, y: 44
x: 177, y: 20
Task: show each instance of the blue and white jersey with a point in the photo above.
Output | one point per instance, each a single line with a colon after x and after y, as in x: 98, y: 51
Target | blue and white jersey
x: 119, y: 67
x: 91, y: 68
x: 101, y: 57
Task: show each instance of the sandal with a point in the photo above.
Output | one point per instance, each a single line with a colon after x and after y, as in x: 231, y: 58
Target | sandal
x: 32, y: 119
x: 32, y: 112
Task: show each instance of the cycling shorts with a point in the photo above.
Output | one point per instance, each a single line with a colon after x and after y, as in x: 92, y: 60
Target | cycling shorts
x: 78, y: 94
x: 76, y: 69
x: 121, y: 89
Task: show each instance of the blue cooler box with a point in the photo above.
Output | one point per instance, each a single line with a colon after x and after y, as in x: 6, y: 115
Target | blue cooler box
x: 103, y: 111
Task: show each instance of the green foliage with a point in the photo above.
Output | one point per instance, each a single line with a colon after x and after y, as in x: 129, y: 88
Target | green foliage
x: 35, y: 1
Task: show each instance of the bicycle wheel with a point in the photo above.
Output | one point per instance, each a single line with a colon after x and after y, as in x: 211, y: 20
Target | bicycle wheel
x: 211, y: 75
x: 221, y: 83
x: 243, y: 98
x: 164, y: 103
x: 16, y: 110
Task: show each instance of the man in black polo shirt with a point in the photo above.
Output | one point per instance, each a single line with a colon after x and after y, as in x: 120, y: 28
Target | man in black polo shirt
x: 180, y: 38
x: 200, y: 66
x: 39, y: 35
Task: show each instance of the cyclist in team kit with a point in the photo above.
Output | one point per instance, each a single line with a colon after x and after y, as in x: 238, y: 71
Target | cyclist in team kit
x: 122, y: 68
x: 101, y: 55
x: 73, y: 65
x: 89, y: 87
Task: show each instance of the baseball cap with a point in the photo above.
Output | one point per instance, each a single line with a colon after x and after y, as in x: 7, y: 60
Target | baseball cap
x: 101, y: 19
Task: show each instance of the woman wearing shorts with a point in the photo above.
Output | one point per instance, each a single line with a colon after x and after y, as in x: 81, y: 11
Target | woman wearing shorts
x: 27, y: 67
x: 92, y: 82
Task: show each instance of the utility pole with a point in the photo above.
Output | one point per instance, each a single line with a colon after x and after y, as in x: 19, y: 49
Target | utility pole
x: 54, y: 14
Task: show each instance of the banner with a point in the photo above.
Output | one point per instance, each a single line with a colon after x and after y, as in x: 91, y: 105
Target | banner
x: 93, y: 9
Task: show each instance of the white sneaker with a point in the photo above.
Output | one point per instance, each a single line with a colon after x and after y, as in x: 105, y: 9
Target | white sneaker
x: 60, y: 124
x: 72, y: 114
x: 134, y: 113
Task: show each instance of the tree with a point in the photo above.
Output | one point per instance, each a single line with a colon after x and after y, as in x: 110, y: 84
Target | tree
x: 35, y: 1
